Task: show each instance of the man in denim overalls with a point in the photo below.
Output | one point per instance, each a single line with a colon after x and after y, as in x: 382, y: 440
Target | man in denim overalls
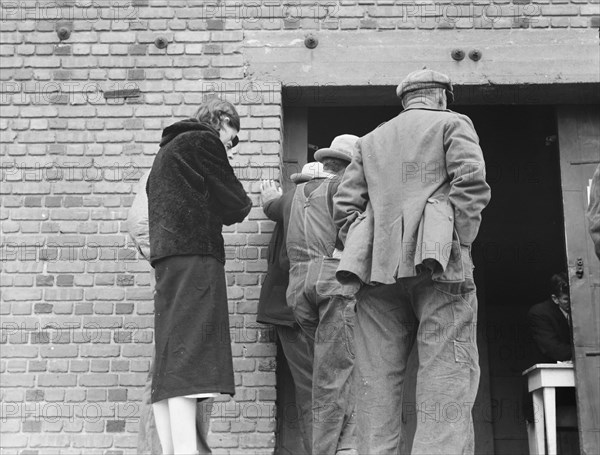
x: 325, y: 316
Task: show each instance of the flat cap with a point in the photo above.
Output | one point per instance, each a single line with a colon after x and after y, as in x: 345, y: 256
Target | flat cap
x: 423, y: 79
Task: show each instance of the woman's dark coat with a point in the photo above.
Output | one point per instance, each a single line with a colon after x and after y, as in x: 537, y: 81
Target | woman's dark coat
x: 192, y: 193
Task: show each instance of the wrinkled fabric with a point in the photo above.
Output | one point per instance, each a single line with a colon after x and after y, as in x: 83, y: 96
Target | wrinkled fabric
x: 297, y: 349
x: 439, y: 320
x: 551, y: 333
x: 419, y: 155
x: 192, y: 192
x: 272, y: 306
x: 191, y: 328
x: 326, y: 320
x: 333, y: 403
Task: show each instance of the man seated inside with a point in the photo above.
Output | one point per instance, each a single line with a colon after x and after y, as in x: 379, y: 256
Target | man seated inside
x: 550, y: 328
x: 550, y: 324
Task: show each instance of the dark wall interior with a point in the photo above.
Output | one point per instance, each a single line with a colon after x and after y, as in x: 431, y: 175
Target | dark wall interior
x: 520, y: 244
x: 325, y: 123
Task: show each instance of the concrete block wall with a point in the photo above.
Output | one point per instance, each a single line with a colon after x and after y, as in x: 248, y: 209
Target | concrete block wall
x: 76, y: 310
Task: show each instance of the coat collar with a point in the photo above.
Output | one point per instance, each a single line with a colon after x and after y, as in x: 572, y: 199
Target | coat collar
x: 423, y: 106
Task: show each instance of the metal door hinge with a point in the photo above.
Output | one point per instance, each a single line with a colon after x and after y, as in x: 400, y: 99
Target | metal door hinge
x: 579, y: 268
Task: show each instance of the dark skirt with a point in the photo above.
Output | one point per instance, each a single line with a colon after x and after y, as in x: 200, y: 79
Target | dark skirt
x: 191, y: 326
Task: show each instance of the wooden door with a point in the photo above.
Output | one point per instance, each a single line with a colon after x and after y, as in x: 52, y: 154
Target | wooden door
x: 288, y: 432
x: 289, y: 436
x: 579, y: 142
x: 295, y: 143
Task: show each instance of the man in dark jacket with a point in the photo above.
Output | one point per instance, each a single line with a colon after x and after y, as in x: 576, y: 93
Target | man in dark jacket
x: 409, y: 208
x: 549, y: 323
x: 273, y: 309
x: 324, y: 314
x: 550, y: 328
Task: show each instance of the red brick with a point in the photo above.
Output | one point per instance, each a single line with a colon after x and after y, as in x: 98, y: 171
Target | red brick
x: 63, y: 294
x: 58, y: 366
x: 559, y: 10
x: 14, y: 441
x: 98, y: 380
x: 21, y: 294
x: 137, y: 350
x: 95, y: 350
x: 59, y: 351
x: 257, y: 440
x: 57, y: 380
x: 104, y: 294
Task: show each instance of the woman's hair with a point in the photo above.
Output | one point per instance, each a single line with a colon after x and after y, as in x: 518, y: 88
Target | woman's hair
x: 214, y: 110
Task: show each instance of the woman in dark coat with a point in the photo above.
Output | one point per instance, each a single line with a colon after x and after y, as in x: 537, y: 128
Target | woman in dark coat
x: 192, y: 193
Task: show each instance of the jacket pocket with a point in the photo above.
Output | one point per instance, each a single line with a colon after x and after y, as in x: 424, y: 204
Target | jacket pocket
x: 349, y: 318
x: 460, y: 289
x: 435, y: 235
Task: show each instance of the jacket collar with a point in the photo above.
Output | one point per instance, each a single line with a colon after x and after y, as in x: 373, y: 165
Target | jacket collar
x: 423, y: 106
x: 183, y: 126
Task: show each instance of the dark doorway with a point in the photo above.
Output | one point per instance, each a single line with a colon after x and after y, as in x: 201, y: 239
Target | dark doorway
x: 520, y: 245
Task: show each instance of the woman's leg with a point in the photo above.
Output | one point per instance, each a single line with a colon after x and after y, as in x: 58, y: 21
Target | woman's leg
x: 183, y: 431
x: 163, y: 425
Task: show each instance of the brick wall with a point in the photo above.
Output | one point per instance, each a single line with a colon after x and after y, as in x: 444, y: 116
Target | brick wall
x: 81, y: 120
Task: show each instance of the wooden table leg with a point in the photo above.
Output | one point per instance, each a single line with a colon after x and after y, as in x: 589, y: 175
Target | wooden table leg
x: 530, y: 427
x: 538, y: 421
x: 550, y: 416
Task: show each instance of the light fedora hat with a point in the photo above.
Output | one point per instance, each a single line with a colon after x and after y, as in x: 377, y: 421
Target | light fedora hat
x: 341, y: 147
x: 313, y: 170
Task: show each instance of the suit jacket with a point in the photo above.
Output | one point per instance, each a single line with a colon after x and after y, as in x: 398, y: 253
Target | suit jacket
x: 418, y: 184
x: 272, y: 305
x: 550, y: 332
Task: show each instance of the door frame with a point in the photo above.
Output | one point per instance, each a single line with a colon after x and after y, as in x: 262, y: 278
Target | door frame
x: 295, y: 147
x: 579, y: 137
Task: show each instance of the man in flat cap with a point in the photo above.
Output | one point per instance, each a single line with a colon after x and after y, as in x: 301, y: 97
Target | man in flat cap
x: 323, y: 313
x: 418, y: 184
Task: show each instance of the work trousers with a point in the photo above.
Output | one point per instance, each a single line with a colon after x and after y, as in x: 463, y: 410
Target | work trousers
x: 439, y: 320
x: 328, y: 322
x: 297, y: 349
